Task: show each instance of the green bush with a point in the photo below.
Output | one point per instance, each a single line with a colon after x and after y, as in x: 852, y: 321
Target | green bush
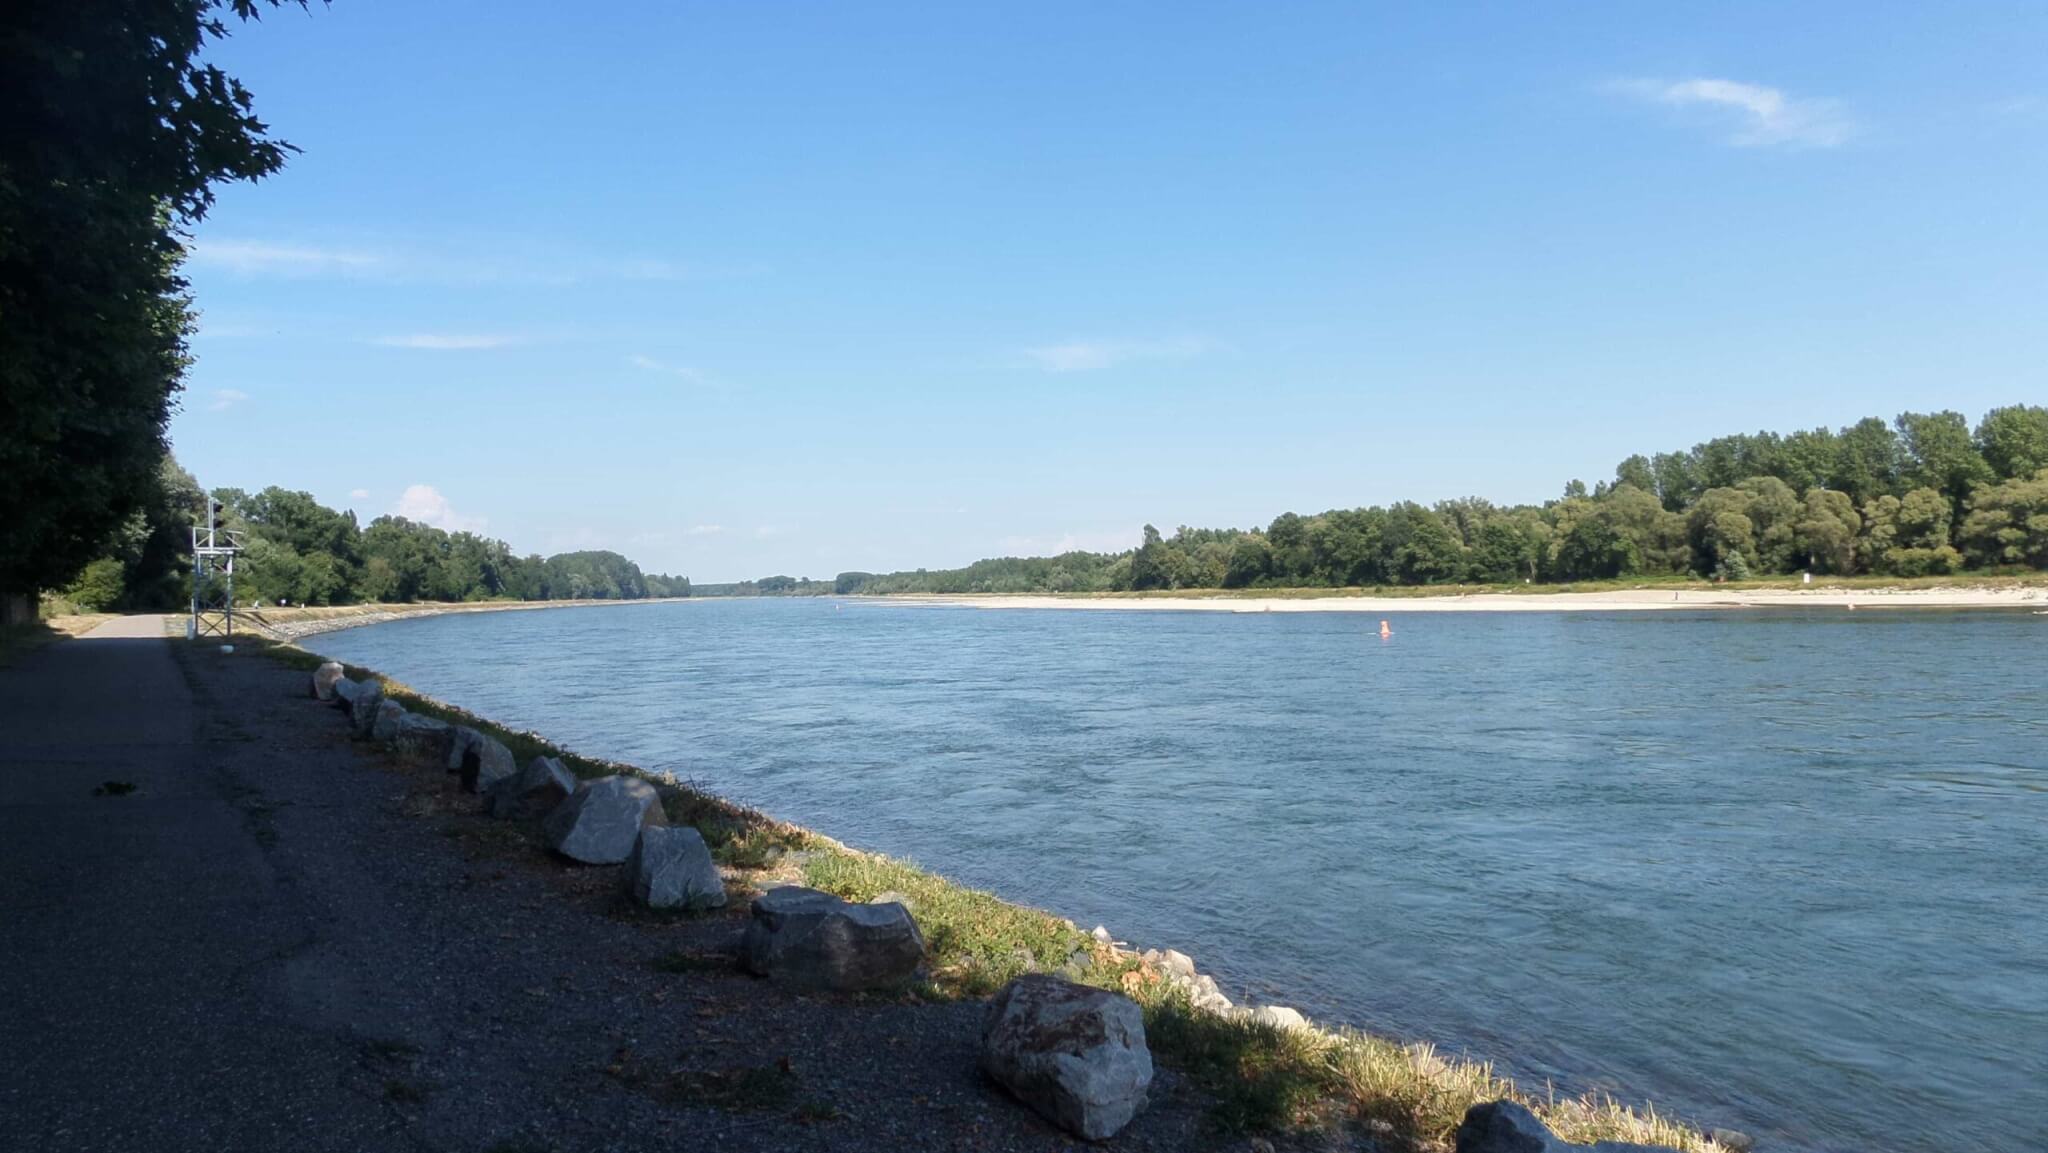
x: 98, y: 588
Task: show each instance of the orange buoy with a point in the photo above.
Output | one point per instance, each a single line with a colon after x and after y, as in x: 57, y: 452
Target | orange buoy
x: 1385, y: 632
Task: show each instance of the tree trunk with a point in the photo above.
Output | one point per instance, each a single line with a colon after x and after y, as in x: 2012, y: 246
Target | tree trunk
x: 17, y: 609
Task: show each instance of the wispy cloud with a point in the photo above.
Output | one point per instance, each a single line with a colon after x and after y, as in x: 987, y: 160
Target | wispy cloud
x: 531, y: 262
x: 425, y: 504
x: 257, y: 258
x: 768, y: 530
x: 1090, y: 355
x: 706, y: 529
x: 359, y: 494
x: 650, y: 364
x: 1764, y: 117
x: 225, y: 398
x: 448, y: 341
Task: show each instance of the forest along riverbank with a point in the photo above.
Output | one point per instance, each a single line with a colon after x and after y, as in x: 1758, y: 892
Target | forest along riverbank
x: 1674, y: 855
x: 294, y: 622
x: 1617, y: 600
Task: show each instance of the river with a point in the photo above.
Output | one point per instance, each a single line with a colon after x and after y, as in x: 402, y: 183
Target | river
x: 1785, y: 871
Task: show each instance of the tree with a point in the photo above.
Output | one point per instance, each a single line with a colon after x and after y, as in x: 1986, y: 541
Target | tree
x: 1827, y: 530
x: 1251, y: 561
x: 2014, y: 440
x: 2008, y: 523
x: 112, y: 135
x: 1941, y: 455
x: 1867, y: 461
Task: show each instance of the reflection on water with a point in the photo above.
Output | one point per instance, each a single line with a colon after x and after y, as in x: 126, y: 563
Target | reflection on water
x: 1784, y: 872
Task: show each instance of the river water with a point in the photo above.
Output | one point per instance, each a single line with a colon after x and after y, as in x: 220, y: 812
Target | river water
x: 1781, y: 871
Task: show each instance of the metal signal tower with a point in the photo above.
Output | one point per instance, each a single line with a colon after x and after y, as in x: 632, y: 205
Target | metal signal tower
x: 213, y: 577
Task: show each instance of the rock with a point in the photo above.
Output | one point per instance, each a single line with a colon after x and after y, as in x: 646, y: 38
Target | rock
x: 324, y: 679
x: 1279, y: 1017
x: 670, y: 868
x: 533, y: 791
x: 384, y: 726
x: 423, y: 740
x: 344, y: 691
x: 1100, y: 935
x: 892, y: 897
x: 1733, y: 1140
x: 814, y: 940
x: 1505, y: 1127
x: 602, y: 819
x: 1075, y: 1054
x: 1177, y: 963
x: 483, y: 760
x: 362, y: 706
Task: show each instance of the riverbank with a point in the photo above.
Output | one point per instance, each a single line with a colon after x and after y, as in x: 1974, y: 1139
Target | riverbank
x: 293, y: 622
x: 2016, y: 595
x: 1256, y: 1076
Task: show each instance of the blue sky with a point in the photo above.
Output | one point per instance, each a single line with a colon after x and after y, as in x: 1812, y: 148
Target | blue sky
x: 744, y: 289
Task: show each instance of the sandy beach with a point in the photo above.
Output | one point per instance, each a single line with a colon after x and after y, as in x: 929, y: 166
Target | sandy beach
x: 1617, y: 600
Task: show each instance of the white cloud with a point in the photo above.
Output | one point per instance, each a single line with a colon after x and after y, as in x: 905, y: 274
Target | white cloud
x: 1765, y: 117
x: 425, y: 504
x: 227, y: 398
x: 768, y: 530
x: 448, y: 341
x: 256, y: 258
x: 1089, y: 355
x: 706, y: 529
x: 1067, y: 542
x: 652, y: 365
x: 359, y: 494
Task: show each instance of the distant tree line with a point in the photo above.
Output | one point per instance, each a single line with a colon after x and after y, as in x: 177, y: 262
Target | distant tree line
x: 769, y: 586
x: 298, y: 551
x: 1922, y: 495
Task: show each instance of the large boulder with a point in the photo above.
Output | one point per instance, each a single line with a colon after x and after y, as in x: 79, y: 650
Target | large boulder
x: 533, y: 791
x: 482, y: 759
x: 813, y: 940
x: 423, y: 740
x: 324, y: 679
x: 344, y: 691
x: 1074, y: 1053
x: 671, y: 868
x: 1507, y: 1127
x: 600, y: 822
x: 362, y: 706
x: 384, y: 726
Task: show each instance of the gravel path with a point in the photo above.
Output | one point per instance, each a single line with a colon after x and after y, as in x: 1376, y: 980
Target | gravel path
x: 281, y: 940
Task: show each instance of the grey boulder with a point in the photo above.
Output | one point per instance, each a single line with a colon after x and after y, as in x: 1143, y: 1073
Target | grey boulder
x: 671, y: 868
x: 423, y: 740
x: 533, y: 791
x: 344, y: 694
x: 362, y: 706
x: 813, y: 940
x: 1279, y: 1017
x: 1074, y: 1053
x: 1506, y: 1127
x: 602, y: 819
x: 324, y: 679
x: 482, y: 759
x: 384, y: 726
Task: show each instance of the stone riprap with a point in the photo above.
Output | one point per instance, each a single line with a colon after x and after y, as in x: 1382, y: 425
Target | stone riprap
x: 813, y: 940
x: 1507, y: 1127
x: 423, y: 740
x: 671, y: 868
x: 384, y: 725
x: 482, y: 759
x: 1074, y: 1053
x: 362, y: 706
x: 532, y: 792
x: 324, y: 679
x: 602, y: 819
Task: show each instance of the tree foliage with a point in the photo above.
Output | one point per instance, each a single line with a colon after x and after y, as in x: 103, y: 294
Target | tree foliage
x: 113, y: 135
